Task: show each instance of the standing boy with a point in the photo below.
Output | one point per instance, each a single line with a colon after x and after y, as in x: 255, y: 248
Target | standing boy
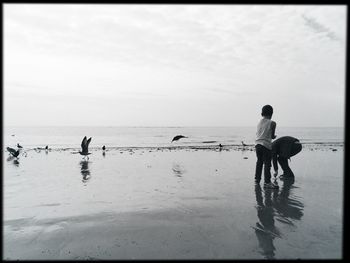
x: 263, y: 146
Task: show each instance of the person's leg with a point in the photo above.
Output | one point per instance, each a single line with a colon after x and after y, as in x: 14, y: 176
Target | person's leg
x: 267, y: 165
x: 287, y: 172
x: 259, y: 162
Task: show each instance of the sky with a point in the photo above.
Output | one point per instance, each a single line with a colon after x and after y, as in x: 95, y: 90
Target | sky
x: 173, y: 65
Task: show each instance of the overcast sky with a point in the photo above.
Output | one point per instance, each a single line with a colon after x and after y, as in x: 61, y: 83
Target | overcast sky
x: 173, y: 65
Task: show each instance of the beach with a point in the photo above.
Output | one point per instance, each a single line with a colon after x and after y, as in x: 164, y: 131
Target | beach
x: 171, y: 203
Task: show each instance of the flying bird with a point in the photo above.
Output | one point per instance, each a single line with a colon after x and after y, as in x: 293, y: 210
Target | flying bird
x: 85, y: 147
x: 178, y: 137
x: 13, y: 152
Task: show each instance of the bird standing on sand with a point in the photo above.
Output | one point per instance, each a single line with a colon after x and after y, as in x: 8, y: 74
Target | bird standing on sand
x: 19, y: 146
x: 178, y: 137
x: 85, y: 147
x: 13, y: 152
x: 243, y: 144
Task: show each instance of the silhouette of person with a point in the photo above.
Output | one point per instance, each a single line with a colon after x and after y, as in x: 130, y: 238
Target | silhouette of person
x: 282, y: 149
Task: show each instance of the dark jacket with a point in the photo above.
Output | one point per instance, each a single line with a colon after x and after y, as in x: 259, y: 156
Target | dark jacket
x: 285, y: 147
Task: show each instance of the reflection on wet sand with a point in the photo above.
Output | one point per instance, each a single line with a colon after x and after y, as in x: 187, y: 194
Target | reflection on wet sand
x: 274, y: 204
x: 265, y: 229
x: 85, y: 172
x: 178, y: 169
x: 16, y: 162
x: 288, y: 208
x: 14, y: 159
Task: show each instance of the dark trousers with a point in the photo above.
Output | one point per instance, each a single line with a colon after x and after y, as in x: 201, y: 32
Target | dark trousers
x: 285, y: 167
x: 264, y: 159
x: 296, y: 148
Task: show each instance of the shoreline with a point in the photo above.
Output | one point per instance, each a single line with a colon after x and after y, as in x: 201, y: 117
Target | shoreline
x: 225, y: 147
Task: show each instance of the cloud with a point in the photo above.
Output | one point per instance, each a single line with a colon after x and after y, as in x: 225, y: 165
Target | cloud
x: 174, y: 52
x: 319, y: 28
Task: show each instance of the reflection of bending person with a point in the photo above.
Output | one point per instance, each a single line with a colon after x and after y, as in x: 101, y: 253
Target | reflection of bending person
x: 288, y: 206
x: 282, y: 149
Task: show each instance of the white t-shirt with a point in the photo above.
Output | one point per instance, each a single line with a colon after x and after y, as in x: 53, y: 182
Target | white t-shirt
x: 264, y: 133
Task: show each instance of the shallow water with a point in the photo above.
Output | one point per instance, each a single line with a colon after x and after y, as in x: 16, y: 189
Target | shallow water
x: 70, y: 137
x: 188, y: 203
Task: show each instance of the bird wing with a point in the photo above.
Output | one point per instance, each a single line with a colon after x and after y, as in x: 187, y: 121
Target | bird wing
x: 177, y: 137
x: 11, y: 150
x: 84, y: 145
x: 87, y: 143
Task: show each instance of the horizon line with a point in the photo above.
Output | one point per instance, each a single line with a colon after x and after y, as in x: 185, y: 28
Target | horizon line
x: 166, y: 126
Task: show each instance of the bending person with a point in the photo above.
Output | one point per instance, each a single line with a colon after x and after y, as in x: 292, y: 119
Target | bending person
x: 282, y: 149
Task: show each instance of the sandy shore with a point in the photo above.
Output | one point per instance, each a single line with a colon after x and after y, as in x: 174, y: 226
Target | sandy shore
x: 170, y: 204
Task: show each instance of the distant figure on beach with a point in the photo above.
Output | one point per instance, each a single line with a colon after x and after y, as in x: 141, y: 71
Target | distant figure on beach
x: 243, y: 144
x: 103, y: 148
x: 19, y: 146
x: 178, y: 137
x: 282, y: 149
x: 85, y: 147
x: 263, y: 146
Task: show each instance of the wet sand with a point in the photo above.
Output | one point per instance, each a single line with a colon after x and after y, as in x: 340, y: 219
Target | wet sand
x: 150, y: 203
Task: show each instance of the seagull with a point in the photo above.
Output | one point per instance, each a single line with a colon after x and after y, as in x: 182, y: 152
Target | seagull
x: 244, y: 144
x: 13, y: 152
x: 19, y: 146
x: 178, y: 137
x: 85, y: 147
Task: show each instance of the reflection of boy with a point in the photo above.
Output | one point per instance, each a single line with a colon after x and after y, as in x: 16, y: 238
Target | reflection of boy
x: 282, y: 149
x: 263, y: 146
x: 265, y: 229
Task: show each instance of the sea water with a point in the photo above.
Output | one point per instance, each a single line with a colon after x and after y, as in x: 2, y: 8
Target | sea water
x: 71, y: 137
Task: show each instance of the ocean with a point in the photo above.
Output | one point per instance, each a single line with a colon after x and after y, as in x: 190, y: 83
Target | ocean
x: 71, y: 137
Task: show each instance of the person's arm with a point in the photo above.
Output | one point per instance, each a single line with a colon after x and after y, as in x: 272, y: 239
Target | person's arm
x: 273, y: 129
